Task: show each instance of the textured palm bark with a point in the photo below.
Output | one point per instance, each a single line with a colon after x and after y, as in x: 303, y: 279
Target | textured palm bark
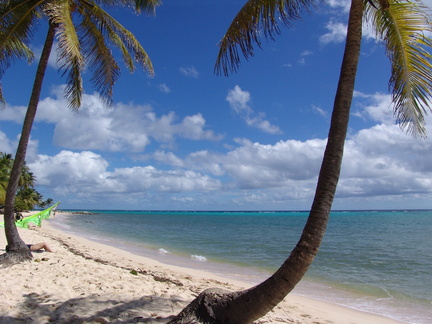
x: 247, y: 306
x: 18, y: 251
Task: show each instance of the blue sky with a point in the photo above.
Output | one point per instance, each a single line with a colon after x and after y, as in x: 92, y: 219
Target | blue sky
x: 188, y: 139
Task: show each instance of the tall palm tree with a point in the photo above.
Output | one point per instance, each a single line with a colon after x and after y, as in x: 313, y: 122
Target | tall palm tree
x: 400, y: 24
x: 84, y: 30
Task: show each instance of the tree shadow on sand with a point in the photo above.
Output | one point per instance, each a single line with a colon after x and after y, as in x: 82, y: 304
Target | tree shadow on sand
x: 37, y: 308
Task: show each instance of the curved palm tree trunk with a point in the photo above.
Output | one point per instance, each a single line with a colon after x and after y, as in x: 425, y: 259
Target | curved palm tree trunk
x: 17, y: 248
x: 215, y: 306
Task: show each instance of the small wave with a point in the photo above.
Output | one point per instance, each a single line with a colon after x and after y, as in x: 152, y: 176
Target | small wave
x: 163, y: 251
x: 199, y: 258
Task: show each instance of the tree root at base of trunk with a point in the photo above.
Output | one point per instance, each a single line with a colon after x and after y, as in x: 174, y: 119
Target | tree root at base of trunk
x: 206, y: 308
x: 10, y: 258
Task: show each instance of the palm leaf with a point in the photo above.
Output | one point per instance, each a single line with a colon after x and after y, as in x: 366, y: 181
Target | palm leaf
x: 17, y: 20
x: 104, y: 68
x: 126, y: 41
x: 129, y: 45
x: 149, y: 6
x: 70, y: 59
x: 99, y: 58
x: 404, y: 27
x: 255, y: 19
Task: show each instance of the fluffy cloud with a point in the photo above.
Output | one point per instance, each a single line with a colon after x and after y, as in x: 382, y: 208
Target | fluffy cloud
x: 255, y: 165
x: 383, y: 161
x: 123, y: 127
x: 336, y: 33
x: 164, y: 88
x: 189, y: 71
x: 86, y: 174
x: 6, y: 144
x: 380, y: 162
x: 239, y: 102
x: 338, y: 4
x: 376, y: 107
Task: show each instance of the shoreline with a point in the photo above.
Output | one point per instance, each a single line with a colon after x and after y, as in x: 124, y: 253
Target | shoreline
x: 91, y: 275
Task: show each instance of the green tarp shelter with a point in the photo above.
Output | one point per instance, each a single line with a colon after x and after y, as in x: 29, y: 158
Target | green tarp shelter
x: 35, y: 218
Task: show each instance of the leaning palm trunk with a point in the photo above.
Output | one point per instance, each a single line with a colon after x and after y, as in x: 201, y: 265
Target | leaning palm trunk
x: 17, y: 249
x: 216, y: 306
x: 84, y: 31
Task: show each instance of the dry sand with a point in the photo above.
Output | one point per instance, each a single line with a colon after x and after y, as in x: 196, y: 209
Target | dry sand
x: 87, y: 282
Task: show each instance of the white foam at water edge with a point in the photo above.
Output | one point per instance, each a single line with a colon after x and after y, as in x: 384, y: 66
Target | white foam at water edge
x: 163, y: 251
x: 199, y: 258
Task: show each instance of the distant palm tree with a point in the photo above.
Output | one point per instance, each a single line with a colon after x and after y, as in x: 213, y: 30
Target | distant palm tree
x: 26, y: 199
x: 84, y: 30
x: 6, y: 163
x: 44, y: 203
x: 27, y: 178
x: 25, y: 181
x: 401, y: 25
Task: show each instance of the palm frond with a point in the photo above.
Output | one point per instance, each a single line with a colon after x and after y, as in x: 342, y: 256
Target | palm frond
x: 99, y: 58
x: 149, y: 6
x: 129, y: 46
x: 70, y: 59
x: 257, y: 18
x: 17, y: 24
x: 404, y: 27
x: 104, y: 67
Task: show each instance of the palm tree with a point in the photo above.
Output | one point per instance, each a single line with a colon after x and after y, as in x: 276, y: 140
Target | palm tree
x: 400, y: 24
x: 26, y: 199
x: 6, y: 163
x: 83, y: 29
x: 42, y: 203
x: 26, y: 179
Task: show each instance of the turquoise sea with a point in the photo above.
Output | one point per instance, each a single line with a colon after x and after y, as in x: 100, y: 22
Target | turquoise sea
x: 375, y: 261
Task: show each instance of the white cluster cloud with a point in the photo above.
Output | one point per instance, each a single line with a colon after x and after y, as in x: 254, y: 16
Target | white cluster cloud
x: 337, y: 30
x: 86, y: 174
x: 6, y: 144
x: 337, y: 25
x: 239, y: 102
x: 379, y: 161
x: 189, y: 71
x: 340, y: 4
x: 336, y: 33
x: 376, y: 107
x: 164, y: 88
x: 97, y: 127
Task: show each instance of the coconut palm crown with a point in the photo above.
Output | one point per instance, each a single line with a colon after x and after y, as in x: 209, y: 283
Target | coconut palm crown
x: 84, y: 31
x: 403, y: 26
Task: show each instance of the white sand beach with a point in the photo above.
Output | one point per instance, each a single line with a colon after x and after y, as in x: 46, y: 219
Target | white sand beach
x: 87, y: 282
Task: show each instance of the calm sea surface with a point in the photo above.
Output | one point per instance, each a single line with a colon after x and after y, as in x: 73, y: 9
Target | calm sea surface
x: 376, y: 261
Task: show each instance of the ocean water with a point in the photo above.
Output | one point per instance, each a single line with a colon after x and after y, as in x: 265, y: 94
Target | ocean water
x: 375, y: 261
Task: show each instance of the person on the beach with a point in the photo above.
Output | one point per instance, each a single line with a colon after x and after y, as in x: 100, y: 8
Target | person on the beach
x: 38, y: 247
x: 18, y: 216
